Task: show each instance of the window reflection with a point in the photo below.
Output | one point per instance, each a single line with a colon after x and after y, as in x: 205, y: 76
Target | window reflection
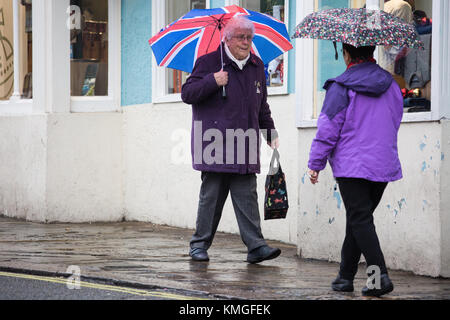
x: 325, y: 64
x: 25, y: 90
x: 174, y: 10
x: 89, y: 48
x: 275, y: 73
x: 411, y: 68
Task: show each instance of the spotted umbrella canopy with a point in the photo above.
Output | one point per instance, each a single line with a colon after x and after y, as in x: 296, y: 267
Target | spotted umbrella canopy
x: 359, y: 27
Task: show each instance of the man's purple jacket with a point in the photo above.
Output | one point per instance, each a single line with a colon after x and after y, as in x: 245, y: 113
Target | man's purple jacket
x: 358, y: 125
x: 245, y: 108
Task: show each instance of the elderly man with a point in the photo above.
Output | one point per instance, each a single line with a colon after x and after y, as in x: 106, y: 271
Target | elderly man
x: 229, y: 164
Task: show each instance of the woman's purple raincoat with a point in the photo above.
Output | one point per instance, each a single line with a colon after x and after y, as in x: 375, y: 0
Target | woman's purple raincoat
x: 358, y: 125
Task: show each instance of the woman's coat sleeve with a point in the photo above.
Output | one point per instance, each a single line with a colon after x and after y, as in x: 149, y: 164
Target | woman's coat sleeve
x: 200, y: 84
x: 329, y: 125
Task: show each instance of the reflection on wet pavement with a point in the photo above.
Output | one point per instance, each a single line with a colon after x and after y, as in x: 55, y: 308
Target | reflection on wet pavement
x: 154, y: 255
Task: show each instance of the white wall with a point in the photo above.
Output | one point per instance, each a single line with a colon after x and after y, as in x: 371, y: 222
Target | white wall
x: 445, y: 199
x: 61, y: 167
x: 23, y: 167
x: 407, y: 219
x: 162, y: 187
x: 84, y: 178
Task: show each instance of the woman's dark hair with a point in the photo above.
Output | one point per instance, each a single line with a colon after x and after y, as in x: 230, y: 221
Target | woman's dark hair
x: 363, y: 53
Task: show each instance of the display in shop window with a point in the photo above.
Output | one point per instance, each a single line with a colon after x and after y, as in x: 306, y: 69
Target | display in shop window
x: 411, y: 68
x: 24, y: 55
x: 6, y: 55
x: 174, y: 10
x: 415, y: 68
x: 89, y: 48
x: 275, y: 69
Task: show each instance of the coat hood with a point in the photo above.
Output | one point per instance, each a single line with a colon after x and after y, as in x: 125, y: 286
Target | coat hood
x: 367, y: 78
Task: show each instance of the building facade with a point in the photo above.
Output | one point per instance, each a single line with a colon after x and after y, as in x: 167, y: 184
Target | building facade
x: 92, y: 130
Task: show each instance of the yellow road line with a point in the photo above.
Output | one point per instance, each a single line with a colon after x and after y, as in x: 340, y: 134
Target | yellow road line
x: 138, y: 292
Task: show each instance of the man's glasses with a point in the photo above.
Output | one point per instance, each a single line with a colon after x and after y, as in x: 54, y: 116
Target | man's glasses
x: 243, y: 37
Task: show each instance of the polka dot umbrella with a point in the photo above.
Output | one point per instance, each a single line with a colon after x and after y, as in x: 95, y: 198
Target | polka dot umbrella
x: 358, y: 27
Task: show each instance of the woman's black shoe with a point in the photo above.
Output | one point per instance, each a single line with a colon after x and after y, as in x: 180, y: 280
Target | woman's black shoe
x: 342, y: 285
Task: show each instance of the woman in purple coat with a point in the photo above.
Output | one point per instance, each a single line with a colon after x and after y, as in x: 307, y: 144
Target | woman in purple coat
x: 357, y: 134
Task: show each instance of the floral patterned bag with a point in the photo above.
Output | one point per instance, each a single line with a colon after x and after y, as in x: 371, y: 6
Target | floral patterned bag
x: 276, y: 199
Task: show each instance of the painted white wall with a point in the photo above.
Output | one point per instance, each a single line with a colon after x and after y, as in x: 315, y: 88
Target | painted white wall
x: 84, y: 177
x: 162, y: 187
x: 445, y: 199
x: 407, y: 219
x: 61, y: 167
x: 23, y: 167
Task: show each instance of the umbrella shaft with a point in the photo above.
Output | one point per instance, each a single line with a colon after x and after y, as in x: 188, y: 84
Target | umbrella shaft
x: 224, y: 93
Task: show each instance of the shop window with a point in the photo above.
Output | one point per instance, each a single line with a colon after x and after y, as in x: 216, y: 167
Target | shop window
x: 276, y: 70
x: 416, y: 71
x: 89, y: 48
x: 325, y: 64
x: 411, y: 68
x: 17, y: 86
x: 167, y: 82
x: 174, y: 10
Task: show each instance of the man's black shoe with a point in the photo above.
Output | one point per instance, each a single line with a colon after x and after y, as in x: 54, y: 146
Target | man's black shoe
x: 342, y: 285
x: 199, y: 254
x: 262, y: 253
x: 386, y: 286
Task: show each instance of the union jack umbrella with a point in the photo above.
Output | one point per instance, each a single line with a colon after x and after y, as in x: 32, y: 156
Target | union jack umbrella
x: 199, y: 32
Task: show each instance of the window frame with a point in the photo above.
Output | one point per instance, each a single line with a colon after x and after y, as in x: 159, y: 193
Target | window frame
x: 305, y: 69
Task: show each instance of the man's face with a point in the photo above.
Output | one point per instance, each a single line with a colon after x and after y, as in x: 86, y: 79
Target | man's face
x: 240, y: 43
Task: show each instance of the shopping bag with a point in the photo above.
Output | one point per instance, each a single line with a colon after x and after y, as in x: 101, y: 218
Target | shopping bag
x: 276, y: 199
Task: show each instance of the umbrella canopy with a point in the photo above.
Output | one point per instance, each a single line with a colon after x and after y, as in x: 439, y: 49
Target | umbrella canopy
x: 198, y: 32
x: 358, y: 27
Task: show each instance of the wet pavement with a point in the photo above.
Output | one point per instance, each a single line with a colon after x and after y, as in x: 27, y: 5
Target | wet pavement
x: 150, y: 256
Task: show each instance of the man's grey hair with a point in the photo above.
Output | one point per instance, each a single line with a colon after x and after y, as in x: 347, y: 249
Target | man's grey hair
x: 237, y: 22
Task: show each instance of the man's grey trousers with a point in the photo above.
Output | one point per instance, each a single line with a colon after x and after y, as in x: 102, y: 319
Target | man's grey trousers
x: 213, y: 193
